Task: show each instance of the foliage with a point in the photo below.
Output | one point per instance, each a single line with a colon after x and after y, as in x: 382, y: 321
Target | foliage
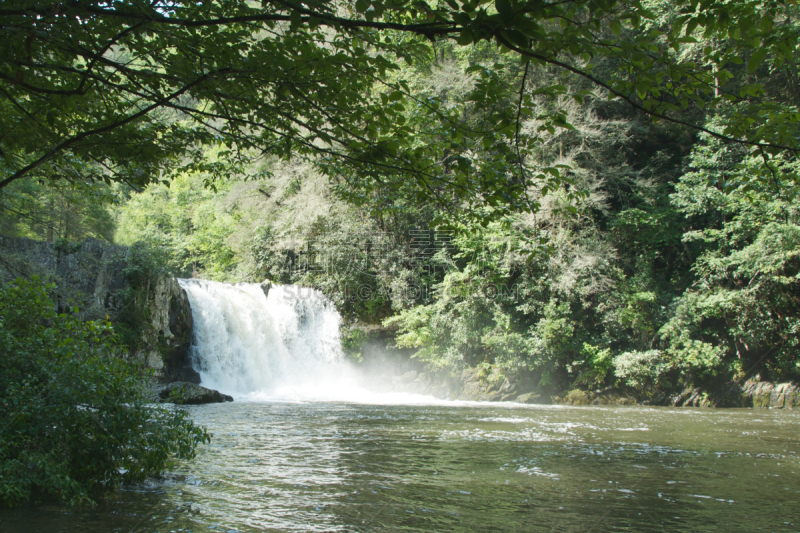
x: 485, y: 178
x: 521, y: 212
x: 639, y: 369
x: 183, y: 220
x: 74, y: 419
x: 134, y: 92
x: 741, y: 314
x: 594, y: 368
x: 53, y: 211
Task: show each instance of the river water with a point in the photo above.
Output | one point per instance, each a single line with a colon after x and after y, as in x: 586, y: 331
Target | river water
x: 338, y: 466
x: 311, y: 445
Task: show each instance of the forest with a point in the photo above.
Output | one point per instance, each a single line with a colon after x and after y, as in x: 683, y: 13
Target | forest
x: 589, y: 195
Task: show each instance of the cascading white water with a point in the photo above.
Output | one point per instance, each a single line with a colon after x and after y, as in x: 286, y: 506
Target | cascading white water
x: 251, y: 344
x: 282, y: 345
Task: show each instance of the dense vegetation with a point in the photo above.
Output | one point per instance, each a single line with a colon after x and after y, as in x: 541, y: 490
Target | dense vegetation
x: 75, y: 419
x: 667, y: 262
x: 584, y: 194
x: 660, y: 279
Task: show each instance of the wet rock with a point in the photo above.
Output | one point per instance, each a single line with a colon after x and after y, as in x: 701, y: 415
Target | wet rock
x: 692, y: 399
x: 607, y: 396
x: 698, y: 398
x: 528, y: 397
x: 793, y: 396
x: 492, y: 396
x: 266, y: 285
x: 185, y: 393
x: 577, y: 397
x: 762, y: 394
x: 170, y: 330
x: 507, y: 387
x: 187, y: 374
x: 681, y: 397
x: 776, y: 396
x: 784, y: 395
x: 773, y: 395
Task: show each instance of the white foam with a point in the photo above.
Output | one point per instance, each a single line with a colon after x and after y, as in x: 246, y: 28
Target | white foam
x: 246, y: 342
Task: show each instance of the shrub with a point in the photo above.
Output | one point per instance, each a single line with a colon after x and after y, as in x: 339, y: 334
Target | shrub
x: 75, y: 423
x: 639, y: 369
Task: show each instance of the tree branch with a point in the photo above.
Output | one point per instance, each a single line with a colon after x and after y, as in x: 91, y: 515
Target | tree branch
x: 633, y: 103
x: 109, y: 127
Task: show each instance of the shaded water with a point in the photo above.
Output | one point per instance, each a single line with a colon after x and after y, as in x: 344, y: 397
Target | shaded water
x: 276, y: 466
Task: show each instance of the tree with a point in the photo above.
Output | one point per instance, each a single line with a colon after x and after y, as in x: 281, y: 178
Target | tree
x: 58, y: 210
x: 133, y: 91
x: 742, y: 313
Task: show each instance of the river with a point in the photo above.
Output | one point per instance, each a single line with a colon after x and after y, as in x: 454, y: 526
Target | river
x: 311, y: 445
x: 338, y: 466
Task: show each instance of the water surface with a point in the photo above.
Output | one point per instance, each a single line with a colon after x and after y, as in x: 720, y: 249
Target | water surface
x: 276, y: 466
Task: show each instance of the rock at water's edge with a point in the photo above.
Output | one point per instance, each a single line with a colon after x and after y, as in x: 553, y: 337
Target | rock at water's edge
x: 529, y: 397
x: 266, y: 285
x: 772, y: 395
x: 183, y: 392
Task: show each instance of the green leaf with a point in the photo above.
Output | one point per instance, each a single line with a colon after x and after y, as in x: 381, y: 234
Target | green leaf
x: 362, y: 5
x: 518, y: 38
x: 691, y: 26
x: 296, y: 19
x: 505, y: 9
x: 466, y: 37
x: 756, y: 59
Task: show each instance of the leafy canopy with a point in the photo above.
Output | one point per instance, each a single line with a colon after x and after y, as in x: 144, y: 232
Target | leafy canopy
x: 132, y: 91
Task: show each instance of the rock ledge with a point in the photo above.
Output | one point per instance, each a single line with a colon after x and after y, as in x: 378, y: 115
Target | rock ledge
x: 186, y: 393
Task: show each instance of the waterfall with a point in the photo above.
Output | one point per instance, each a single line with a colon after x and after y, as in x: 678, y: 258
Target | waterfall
x: 253, y: 343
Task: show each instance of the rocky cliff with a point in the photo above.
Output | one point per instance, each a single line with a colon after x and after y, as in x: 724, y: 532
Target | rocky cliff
x: 96, y: 277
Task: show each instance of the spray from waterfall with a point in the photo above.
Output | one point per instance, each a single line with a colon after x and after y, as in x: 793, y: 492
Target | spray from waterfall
x: 276, y: 342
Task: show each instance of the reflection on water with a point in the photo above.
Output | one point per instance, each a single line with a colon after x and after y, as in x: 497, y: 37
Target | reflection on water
x: 351, y: 467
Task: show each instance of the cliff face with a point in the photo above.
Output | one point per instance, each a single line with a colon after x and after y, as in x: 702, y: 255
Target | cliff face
x: 89, y: 275
x: 92, y: 276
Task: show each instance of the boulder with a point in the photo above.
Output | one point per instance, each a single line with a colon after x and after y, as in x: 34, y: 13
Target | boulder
x: 763, y: 394
x: 185, y: 393
x: 266, y: 285
x: 793, y: 396
x: 577, y: 397
x: 776, y: 396
x: 171, y: 330
x: 528, y: 397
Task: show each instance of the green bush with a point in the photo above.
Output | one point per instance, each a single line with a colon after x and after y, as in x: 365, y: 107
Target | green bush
x: 75, y: 423
x: 640, y: 369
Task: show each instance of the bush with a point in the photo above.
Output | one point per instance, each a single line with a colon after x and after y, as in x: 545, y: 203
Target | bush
x: 75, y: 423
x: 640, y: 369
